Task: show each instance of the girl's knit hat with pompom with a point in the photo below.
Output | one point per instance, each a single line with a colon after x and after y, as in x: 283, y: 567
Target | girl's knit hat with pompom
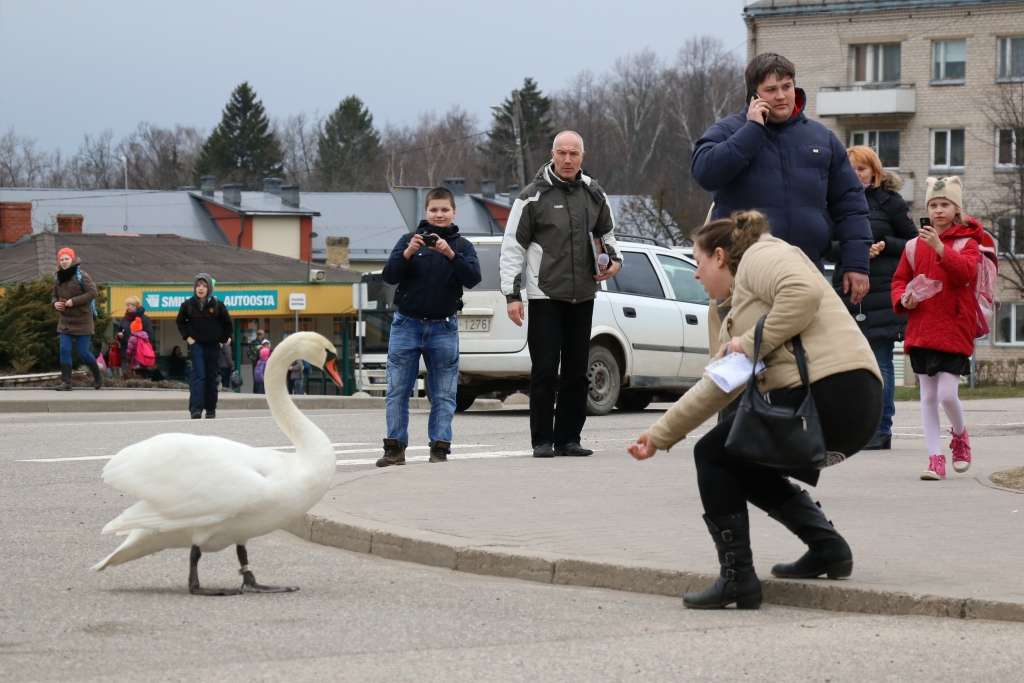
x: 949, y: 188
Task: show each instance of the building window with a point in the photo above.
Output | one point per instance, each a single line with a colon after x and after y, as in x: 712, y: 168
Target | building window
x: 886, y: 144
x: 949, y: 61
x: 1011, y: 58
x: 876, y: 63
x: 305, y: 325
x: 1009, y: 146
x: 1010, y: 323
x: 948, y: 148
x: 1010, y: 235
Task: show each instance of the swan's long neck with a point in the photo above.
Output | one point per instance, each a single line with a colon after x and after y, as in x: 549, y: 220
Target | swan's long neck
x: 299, y: 429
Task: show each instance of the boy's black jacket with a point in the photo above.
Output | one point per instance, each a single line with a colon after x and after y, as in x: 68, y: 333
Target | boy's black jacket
x: 207, y: 324
x: 429, y: 285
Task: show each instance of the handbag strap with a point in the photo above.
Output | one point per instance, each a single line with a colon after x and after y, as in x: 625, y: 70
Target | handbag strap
x: 798, y: 352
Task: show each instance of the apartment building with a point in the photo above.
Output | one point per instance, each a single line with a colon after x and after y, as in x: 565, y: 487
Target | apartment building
x: 936, y: 87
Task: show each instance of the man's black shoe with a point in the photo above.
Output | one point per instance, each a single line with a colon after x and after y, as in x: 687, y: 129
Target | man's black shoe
x: 880, y: 442
x: 196, y: 416
x: 211, y: 414
x: 574, y: 450
x: 544, y: 450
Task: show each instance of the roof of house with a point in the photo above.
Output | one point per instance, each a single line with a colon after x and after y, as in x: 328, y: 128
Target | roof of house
x: 769, y: 8
x: 257, y: 203
x: 154, y: 258
x: 109, y: 211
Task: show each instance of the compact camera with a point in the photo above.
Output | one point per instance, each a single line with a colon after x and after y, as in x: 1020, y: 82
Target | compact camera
x: 430, y: 240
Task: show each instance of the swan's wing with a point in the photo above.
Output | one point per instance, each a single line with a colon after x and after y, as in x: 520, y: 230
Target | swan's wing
x: 188, y: 480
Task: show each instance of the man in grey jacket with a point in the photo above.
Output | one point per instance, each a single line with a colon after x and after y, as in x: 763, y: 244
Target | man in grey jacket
x: 557, y: 230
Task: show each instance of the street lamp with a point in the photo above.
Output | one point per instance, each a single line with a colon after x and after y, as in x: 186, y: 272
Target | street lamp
x: 124, y: 198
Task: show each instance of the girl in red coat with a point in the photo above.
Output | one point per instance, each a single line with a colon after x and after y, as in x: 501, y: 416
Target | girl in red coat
x: 941, y: 329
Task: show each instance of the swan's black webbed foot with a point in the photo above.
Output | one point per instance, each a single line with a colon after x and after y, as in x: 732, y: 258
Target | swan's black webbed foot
x: 249, y: 584
x: 193, y: 578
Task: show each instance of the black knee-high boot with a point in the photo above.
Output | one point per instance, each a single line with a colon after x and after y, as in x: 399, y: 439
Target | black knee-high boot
x: 737, y: 582
x: 828, y: 552
x: 65, y: 378
x: 97, y: 376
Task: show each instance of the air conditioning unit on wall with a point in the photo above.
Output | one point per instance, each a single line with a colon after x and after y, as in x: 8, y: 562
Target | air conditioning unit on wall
x: 317, y: 275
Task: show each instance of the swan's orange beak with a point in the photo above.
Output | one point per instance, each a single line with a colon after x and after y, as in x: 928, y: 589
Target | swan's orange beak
x: 331, y: 368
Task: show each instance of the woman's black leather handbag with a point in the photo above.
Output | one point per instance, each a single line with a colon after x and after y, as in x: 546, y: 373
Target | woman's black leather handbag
x: 780, y: 437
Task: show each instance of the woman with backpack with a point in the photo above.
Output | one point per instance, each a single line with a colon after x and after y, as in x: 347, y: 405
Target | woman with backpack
x: 74, y: 298
x: 260, y: 367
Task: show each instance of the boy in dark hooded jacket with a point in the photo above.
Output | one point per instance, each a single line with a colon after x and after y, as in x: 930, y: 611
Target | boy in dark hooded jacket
x: 204, y: 322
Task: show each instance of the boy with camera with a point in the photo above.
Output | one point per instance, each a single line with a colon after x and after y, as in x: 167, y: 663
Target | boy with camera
x: 431, y: 266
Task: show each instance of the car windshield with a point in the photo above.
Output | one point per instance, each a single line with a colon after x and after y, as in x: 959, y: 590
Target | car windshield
x: 488, y: 254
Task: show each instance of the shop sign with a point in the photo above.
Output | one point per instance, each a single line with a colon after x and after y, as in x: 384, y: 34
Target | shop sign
x: 237, y: 300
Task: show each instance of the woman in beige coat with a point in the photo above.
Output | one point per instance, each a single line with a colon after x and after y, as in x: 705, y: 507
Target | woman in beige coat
x: 753, y: 274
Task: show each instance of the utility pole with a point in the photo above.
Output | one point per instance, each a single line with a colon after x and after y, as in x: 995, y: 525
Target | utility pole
x: 517, y: 127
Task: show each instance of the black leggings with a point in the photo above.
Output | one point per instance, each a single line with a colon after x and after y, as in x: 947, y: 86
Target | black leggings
x: 849, y: 405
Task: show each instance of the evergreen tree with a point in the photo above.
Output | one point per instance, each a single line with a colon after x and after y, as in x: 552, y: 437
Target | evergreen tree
x: 242, y: 148
x: 534, y: 138
x: 349, y: 147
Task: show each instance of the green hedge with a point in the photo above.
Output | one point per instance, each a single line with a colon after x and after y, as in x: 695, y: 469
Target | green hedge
x: 29, y: 341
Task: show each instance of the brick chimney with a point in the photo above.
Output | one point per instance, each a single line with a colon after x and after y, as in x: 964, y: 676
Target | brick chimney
x: 70, y: 222
x: 272, y: 186
x: 290, y: 195
x: 337, y: 252
x: 456, y: 185
x: 232, y: 193
x: 15, y: 221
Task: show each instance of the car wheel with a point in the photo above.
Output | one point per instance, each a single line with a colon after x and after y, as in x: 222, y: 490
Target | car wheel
x: 464, y: 399
x: 635, y: 400
x: 603, y: 381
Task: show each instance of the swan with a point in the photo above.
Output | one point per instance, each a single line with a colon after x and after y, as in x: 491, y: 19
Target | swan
x: 206, y: 493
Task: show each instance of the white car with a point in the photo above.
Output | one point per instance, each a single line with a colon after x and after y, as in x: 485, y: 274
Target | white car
x: 649, y: 334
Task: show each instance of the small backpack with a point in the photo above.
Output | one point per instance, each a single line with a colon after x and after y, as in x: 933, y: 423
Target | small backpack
x: 144, y: 353
x: 257, y: 372
x: 984, y: 283
x: 92, y: 302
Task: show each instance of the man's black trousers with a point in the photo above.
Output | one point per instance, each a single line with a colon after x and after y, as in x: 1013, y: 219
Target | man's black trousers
x: 558, y: 331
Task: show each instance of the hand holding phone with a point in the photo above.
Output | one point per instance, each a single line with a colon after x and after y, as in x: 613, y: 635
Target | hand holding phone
x: 757, y: 110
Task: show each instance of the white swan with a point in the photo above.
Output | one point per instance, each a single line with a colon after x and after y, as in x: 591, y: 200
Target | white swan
x: 207, y: 493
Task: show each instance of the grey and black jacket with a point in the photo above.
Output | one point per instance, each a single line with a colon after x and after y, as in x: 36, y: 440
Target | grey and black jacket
x: 550, y: 228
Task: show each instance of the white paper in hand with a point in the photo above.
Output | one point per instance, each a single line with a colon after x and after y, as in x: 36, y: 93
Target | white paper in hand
x: 731, y: 371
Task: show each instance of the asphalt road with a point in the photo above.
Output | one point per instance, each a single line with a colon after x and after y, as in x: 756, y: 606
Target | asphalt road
x: 358, y: 617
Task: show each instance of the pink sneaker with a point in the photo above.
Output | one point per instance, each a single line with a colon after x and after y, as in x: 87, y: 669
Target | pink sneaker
x: 961, y: 447
x: 936, y: 468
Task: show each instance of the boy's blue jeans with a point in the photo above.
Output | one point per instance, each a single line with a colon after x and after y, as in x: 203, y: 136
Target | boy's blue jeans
x: 883, y: 354
x: 81, y: 342
x: 205, y: 377
x: 438, y: 342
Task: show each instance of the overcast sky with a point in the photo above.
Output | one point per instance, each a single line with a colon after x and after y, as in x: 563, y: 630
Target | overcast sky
x: 70, y: 67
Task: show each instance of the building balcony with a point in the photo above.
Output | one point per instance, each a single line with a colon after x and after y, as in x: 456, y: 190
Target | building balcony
x: 867, y: 99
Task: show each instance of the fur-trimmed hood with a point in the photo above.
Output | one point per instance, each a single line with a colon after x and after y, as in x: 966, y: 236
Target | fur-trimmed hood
x: 891, y: 181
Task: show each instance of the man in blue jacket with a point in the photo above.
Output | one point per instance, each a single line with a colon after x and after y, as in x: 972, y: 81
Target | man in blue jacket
x: 772, y: 158
x: 430, y: 267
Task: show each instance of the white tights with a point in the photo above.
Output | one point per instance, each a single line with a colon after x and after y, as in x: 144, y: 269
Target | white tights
x: 942, y: 389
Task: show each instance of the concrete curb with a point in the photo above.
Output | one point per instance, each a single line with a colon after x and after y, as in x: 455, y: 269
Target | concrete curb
x: 467, y: 555
x: 101, y: 402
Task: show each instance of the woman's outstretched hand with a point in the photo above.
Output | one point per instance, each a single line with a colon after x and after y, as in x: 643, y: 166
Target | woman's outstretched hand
x: 643, y: 448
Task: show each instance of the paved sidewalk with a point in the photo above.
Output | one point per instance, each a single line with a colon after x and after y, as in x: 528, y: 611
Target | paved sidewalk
x: 88, y: 400
x: 953, y: 548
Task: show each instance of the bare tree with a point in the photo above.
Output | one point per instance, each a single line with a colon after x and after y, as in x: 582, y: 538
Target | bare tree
x: 582, y: 107
x: 1005, y: 207
x: 21, y: 164
x: 96, y: 165
x: 161, y: 158
x: 298, y: 135
x: 635, y: 110
x: 434, y: 149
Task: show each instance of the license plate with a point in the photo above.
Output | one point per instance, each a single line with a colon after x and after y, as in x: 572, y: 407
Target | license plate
x: 474, y: 324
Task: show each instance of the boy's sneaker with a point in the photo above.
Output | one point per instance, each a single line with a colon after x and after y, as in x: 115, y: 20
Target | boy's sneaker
x: 961, y: 447
x: 936, y: 468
